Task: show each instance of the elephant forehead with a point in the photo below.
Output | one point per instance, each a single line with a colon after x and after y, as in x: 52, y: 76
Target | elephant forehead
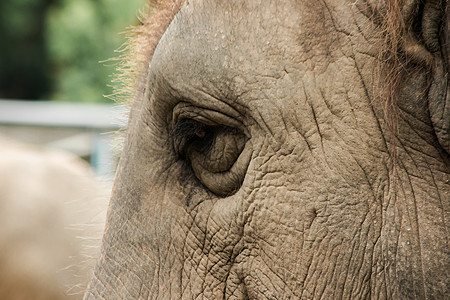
x: 238, y: 45
x: 243, y: 53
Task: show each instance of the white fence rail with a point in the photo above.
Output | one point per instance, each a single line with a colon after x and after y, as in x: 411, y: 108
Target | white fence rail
x: 84, y: 129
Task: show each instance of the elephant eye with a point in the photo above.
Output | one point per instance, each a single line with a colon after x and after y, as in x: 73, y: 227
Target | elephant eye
x: 189, y: 133
x: 213, y: 152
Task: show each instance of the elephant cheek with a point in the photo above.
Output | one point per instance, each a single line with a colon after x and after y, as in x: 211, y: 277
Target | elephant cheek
x: 138, y: 255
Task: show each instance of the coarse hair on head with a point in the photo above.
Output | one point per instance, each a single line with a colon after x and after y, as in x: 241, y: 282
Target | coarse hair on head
x: 133, y: 61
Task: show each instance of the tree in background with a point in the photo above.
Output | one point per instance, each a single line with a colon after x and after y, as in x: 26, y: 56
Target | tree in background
x: 80, y: 34
x: 23, y: 57
x: 50, y: 49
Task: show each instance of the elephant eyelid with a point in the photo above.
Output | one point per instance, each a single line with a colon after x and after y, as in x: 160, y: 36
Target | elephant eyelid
x: 186, y: 128
x: 209, y: 117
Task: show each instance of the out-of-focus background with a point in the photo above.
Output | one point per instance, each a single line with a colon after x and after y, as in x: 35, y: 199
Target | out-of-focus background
x: 54, y: 55
x: 57, y: 141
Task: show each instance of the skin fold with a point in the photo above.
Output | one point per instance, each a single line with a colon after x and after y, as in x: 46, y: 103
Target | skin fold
x: 258, y: 163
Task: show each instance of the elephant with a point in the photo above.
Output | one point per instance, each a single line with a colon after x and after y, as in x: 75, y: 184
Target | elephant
x: 52, y: 215
x: 282, y: 150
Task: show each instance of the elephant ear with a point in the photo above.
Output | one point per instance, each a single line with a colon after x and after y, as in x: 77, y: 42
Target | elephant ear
x: 439, y: 96
x: 426, y: 41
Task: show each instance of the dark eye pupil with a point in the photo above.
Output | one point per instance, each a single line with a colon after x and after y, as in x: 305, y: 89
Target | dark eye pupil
x: 200, y: 133
x: 189, y: 133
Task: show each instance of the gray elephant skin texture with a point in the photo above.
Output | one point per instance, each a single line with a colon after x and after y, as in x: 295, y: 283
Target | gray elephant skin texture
x: 284, y: 150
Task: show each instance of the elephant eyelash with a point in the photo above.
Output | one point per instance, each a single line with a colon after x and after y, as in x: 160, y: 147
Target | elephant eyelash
x: 187, y: 132
x: 186, y: 127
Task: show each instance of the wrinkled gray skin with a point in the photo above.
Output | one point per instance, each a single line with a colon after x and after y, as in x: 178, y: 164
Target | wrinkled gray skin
x: 320, y: 213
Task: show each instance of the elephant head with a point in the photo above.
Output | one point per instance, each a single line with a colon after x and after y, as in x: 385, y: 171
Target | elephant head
x: 284, y: 149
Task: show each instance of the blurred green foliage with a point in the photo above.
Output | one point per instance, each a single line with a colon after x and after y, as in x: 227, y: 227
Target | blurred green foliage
x: 51, y: 49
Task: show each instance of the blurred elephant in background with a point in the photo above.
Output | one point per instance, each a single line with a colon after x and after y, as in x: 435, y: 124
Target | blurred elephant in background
x: 52, y: 213
x: 283, y: 150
